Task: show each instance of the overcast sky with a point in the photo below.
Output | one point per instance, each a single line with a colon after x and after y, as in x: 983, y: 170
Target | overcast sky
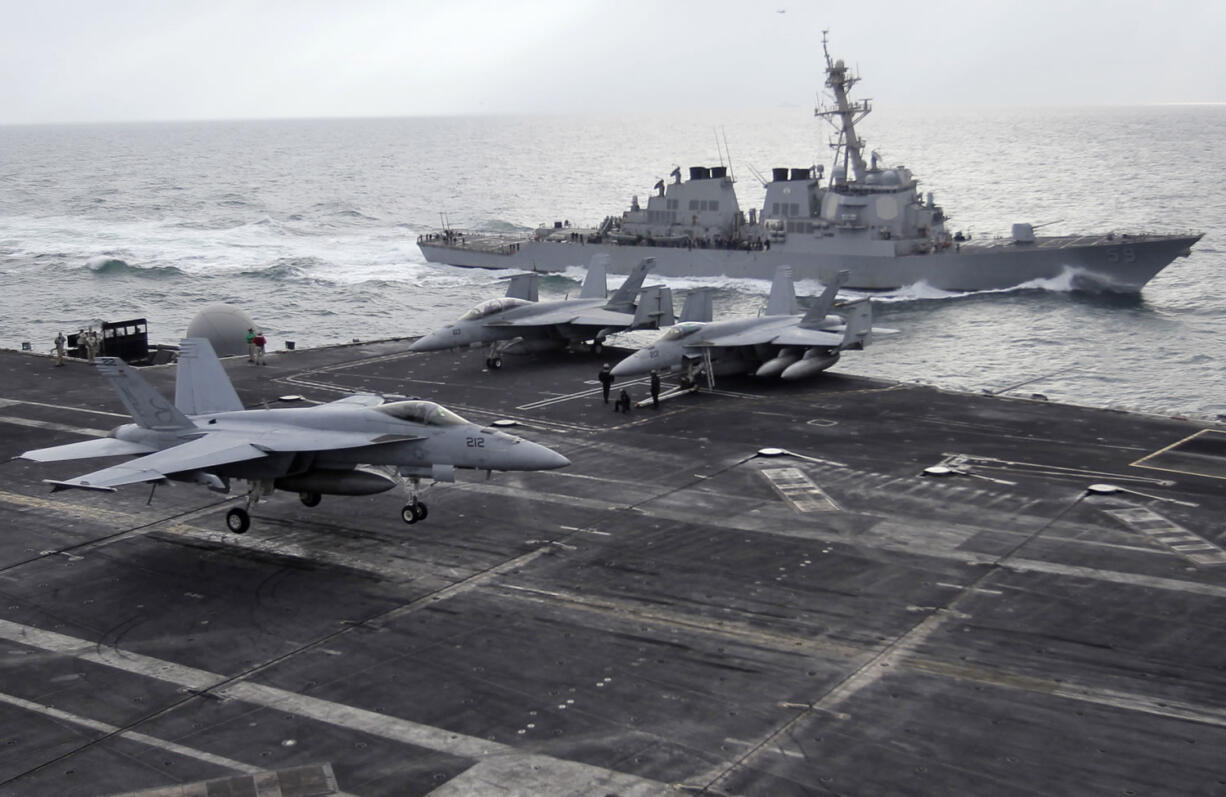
x: 134, y: 60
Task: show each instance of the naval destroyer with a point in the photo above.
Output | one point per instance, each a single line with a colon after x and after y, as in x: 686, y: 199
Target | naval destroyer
x: 870, y: 220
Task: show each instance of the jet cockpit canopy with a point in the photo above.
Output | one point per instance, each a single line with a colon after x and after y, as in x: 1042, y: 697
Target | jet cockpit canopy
x: 493, y: 306
x: 682, y: 330
x: 425, y: 412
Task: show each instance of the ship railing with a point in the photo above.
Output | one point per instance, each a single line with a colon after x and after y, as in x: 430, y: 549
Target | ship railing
x: 491, y: 243
x: 1110, y: 236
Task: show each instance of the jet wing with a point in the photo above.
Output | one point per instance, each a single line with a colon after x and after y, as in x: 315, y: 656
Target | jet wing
x: 799, y: 336
x: 789, y: 336
x: 86, y: 449
x: 296, y: 439
x: 593, y: 316
x: 199, y: 454
x: 597, y: 317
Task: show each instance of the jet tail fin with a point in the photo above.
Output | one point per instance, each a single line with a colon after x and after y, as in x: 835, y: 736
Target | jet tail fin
x: 524, y: 286
x: 595, y: 284
x: 783, y: 293
x: 623, y: 299
x: 697, y: 305
x: 655, y: 308
x: 859, y: 330
x: 822, y: 306
x: 149, y: 408
x: 201, y: 384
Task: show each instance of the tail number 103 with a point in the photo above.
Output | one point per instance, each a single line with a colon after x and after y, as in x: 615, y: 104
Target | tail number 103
x: 1121, y: 254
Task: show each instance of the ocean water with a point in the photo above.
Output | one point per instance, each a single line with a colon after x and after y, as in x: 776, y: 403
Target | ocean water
x: 310, y: 227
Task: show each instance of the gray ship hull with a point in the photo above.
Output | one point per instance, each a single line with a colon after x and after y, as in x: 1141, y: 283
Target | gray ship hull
x: 1106, y: 262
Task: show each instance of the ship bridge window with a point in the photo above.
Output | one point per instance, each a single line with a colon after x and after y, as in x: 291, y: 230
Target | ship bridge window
x: 493, y: 306
x: 674, y: 204
x: 785, y: 209
x: 693, y: 204
x: 426, y: 412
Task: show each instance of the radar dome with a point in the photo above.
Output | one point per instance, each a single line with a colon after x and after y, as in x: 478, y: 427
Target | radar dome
x: 225, y: 327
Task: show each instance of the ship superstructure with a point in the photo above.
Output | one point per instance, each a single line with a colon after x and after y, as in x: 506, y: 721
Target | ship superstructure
x: 870, y: 220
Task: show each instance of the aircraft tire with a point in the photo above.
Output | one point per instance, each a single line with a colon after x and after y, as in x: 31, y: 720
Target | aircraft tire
x: 310, y: 499
x: 408, y: 514
x: 496, y: 363
x: 420, y: 511
x: 237, y: 520
x: 597, y: 347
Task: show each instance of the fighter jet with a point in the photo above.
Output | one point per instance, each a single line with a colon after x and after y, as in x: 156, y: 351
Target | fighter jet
x: 356, y: 445
x: 779, y: 343
x: 515, y: 324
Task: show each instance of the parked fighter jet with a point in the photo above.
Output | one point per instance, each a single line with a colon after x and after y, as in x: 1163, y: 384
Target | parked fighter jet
x: 779, y: 343
x: 208, y: 438
x: 517, y: 325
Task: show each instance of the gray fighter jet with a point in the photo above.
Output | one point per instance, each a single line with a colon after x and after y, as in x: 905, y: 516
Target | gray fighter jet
x: 779, y: 343
x: 515, y: 324
x: 356, y: 445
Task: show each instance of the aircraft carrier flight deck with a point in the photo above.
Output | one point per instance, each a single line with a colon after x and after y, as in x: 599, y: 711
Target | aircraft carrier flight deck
x: 837, y: 587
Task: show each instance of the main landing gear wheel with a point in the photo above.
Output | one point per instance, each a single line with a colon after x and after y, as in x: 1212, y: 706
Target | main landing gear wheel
x: 310, y: 499
x: 411, y: 513
x: 493, y: 362
x: 237, y: 520
x: 597, y: 346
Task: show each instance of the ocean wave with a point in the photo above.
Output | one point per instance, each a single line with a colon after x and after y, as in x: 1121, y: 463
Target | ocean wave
x: 285, y: 269
x: 340, y: 213
x: 1068, y: 281
x: 107, y: 265
x: 353, y: 214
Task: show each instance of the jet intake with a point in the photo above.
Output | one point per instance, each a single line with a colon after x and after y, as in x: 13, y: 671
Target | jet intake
x: 336, y: 482
x: 210, y: 480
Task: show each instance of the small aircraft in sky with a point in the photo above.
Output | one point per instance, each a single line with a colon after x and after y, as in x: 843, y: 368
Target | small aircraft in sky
x: 356, y: 445
x: 518, y: 324
x: 781, y: 342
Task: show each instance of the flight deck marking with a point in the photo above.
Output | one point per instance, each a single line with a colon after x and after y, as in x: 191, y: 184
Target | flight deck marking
x: 8, y: 402
x: 1172, y: 535
x: 981, y: 590
x: 799, y: 490
x: 198, y: 680
x: 963, y: 463
x: 594, y: 393
x: 1172, y: 449
x: 329, y: 712
x: 130, y: 735
x: 53, y: 427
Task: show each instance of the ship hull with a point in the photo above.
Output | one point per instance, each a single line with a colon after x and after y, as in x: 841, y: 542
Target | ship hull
x: 1109, y: 262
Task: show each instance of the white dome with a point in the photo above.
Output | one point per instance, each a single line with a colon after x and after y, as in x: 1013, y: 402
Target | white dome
x: 225, y: 327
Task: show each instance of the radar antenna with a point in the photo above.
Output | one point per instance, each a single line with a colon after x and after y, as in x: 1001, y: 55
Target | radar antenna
x: 844, y: 114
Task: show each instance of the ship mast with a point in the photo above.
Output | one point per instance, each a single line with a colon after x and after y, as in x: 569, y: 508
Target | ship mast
x: 844, y: 115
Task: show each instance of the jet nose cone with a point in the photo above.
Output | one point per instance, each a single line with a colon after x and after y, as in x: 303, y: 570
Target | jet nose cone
x: 431, y: 342
x: 544, y: 458
x: 632, y: 365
